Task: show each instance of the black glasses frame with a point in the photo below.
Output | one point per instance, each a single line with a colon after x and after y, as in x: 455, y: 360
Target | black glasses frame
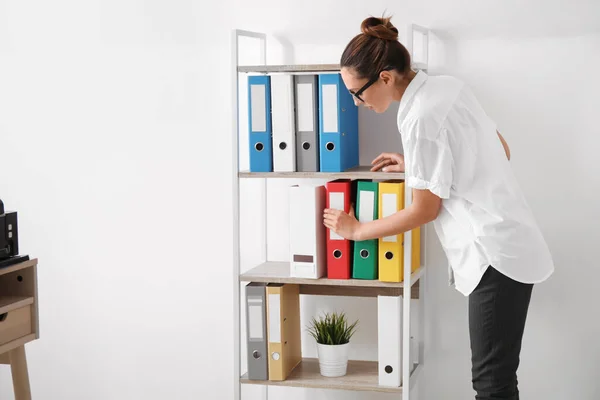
x: 368, y: 84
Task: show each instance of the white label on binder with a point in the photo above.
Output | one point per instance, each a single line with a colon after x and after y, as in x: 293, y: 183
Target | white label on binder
x: 367, y: 205
x: 258, y: 95
x: 274, y: 318
x: 302, y: 270
x: 256, y: 320
x: 336, y: 202
x: 330, y: 109
x: 306, y: 107
x: 388, y: 207
x: 282, y: 105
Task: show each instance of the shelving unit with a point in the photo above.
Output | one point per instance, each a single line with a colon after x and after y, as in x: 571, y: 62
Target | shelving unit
x: 361, y: 375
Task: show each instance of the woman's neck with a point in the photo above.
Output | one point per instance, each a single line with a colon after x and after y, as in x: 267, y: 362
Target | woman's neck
x: 402, y: 83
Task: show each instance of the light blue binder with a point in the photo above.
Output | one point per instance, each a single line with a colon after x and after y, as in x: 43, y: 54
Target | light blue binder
x: 338, y: 125
x: 260, y: 124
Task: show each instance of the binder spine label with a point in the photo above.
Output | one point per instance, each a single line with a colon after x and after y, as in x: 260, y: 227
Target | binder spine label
x: 274, y: 318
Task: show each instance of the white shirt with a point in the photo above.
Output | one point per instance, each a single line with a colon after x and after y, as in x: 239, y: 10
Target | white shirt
x: 451, y: 147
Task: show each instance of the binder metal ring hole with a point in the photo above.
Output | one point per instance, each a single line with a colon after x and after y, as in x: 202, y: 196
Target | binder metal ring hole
x: 337, y: 254
x: 389, y: 369
x: 3, y: 316
x: 282, y: 145
x: 389, y: 255
x: 330, y: 146
x: 364, y: 253
x: 256, y: 354
x: 306, y: 145
x: 259, y: 146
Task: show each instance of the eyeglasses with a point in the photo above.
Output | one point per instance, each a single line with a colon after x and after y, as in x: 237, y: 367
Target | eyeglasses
x: 368, y: 84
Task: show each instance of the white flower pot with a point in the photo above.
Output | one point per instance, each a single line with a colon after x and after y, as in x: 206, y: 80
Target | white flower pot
x: 333, y: 359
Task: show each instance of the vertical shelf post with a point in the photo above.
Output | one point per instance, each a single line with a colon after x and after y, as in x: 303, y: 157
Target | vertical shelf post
x: 236, y: 34
x: 410, y: 45
x: 406, y: 356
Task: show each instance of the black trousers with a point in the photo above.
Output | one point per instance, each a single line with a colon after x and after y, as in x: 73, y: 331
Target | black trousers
x: 497, y: 313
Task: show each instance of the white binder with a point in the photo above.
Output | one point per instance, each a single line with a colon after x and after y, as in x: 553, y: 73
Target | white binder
x: 284, y: 129
x: 389, y: 337
x: 308, y: 244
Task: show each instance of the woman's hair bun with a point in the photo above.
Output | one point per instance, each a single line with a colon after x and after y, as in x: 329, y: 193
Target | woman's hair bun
x: 381, y: 28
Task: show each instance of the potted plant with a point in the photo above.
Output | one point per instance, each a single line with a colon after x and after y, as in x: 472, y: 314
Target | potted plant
x: 332, y: 333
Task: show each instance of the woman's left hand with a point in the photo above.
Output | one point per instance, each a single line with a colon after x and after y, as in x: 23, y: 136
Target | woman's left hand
x: 344, y: 224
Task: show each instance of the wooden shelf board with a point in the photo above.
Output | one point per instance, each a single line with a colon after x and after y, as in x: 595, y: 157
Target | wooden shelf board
x: 360, y: 376
x: 17, y: 343
x: 9, y: 303
x: 361, y: 172
x: 303, y: 68
x: 19, y: 266
x: 279, y: 272
x: 289, y: 68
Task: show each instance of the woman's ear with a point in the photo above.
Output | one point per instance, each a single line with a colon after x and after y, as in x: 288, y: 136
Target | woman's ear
x: 386, y: 77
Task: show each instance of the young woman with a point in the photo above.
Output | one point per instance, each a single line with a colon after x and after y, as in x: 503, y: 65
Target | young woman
x: 457, y: 165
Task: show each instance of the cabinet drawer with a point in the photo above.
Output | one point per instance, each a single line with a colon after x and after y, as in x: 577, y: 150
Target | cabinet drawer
x: 15, y: 324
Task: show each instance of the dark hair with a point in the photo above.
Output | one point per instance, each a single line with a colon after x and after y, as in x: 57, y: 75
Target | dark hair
x: 376, y: 49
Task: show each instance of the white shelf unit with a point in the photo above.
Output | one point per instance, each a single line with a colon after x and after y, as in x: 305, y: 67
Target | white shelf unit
x: 362, y: 375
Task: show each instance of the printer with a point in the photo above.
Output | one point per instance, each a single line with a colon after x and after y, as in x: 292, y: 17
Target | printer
x: 9, y: 239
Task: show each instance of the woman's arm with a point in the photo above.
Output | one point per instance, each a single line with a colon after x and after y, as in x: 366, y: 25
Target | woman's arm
x: 424, y: 208
x: 505, y: 145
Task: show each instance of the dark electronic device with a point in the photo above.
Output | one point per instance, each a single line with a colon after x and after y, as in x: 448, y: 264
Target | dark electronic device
x: 9, y: 239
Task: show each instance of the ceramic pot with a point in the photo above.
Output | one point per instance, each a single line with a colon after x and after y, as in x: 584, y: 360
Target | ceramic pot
x: 333, y: 359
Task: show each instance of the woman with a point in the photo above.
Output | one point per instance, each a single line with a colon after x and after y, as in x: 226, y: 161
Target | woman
x: 457, y: 164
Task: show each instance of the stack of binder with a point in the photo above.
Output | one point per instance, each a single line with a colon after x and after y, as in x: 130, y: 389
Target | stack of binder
x: 301, y: 123
x: 317, y: 252
x: 274, y: 331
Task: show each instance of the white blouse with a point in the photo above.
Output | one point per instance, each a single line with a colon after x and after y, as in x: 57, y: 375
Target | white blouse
x: 451, y: 147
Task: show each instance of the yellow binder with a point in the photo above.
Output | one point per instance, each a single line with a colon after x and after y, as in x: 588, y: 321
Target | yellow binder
x: 284, y: 331
x: 391, y: 248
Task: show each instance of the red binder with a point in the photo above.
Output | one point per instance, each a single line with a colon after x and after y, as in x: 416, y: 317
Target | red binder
x: 339, y: 250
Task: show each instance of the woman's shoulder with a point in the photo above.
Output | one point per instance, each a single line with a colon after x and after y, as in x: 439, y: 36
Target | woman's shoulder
x: 431, y: 105
x: 443, y: 87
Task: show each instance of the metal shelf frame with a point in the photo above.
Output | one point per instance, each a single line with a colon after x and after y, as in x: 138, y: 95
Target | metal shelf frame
x: 411, y: 364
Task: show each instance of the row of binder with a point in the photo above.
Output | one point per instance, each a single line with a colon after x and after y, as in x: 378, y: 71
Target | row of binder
x: 301, y: 123
x: 316, y: 251
x: 274, y: 347
x: 273, y: 330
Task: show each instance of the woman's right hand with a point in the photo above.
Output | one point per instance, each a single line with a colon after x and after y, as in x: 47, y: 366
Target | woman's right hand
x: 388, y: 162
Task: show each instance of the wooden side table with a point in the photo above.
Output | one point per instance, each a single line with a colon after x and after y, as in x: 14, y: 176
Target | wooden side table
x: 19, y: 322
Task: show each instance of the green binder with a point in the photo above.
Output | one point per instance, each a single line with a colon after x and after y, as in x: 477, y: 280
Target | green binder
x: 364, y: 264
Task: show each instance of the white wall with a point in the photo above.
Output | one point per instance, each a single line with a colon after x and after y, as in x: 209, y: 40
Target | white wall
x: 115, y: 136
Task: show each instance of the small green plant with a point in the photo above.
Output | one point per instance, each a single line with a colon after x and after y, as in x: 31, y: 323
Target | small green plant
x: 332, y: 329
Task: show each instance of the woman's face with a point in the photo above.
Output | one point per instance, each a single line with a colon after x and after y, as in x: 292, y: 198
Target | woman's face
x: 378, y: 96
